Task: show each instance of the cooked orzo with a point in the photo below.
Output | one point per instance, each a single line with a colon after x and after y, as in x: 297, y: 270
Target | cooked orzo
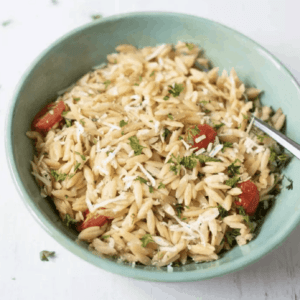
x: 152, y: 157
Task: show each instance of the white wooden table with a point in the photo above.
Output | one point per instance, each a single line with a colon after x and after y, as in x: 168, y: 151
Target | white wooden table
x: 34, y: 25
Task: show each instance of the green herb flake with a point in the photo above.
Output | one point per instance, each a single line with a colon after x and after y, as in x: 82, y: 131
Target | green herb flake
x: 6, y: 23
x: 76, y: 99
x: 246, y: 117
x: 207, y: 111
x: 96, y: 17
x: 218, y: 126
x: 161, y: 186
x: 261, y: 137
x: 140, y: 78
x: 204, y: 158
x: 203, y: 102
x: 115, y: 61
x: 95, y: 141
x: 166, y: 98
x: 81, y: 155
x: 45, y: 254
x: 231, y: 235
x: 283, y: 157
x: 122, y: 133
x: 135, y: 145
x: 104, y: 237
x: 82, y: 122
x: 290, y: 186
x: 170, y: 117
x: 66, y: 196
x: 141, y: 179
x: 180, y: 138
x: 222, y: 212
x: 146, y: 239
x: 166, y: 133
x: 179, y: 209
x: 152, y: 73
x: 234, y: 169
x: 68, y: 122
x: 64, y: 113
x: 227, y: 145
x: 123, y: 123
x: 246, y: 217
x: 136, y: 84
x: 189, y: 162
x: 190, y: 46
x: 151, y: 189
x: 69, y: 220
x: 77, y: 165
x: 176, y: 167
x: 273, y: 155
x: 232, y: 181
x: 58, y: 176
x: 176, y: 90
x: 107, y: 83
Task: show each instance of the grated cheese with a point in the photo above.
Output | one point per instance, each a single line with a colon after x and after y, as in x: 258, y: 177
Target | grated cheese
x: 152, y: 180
x: 200, y: 138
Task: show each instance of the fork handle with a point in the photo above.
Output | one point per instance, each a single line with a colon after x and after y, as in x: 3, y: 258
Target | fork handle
x: 279, y: 137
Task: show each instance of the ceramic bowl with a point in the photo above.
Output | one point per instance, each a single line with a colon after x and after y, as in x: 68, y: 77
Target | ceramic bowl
x: 77, y: 52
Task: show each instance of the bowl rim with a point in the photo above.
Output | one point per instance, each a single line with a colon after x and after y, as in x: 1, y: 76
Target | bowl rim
x: 107, y: 265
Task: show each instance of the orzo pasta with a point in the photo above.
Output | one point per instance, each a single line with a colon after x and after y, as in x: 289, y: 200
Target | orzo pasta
x: 152, y: 157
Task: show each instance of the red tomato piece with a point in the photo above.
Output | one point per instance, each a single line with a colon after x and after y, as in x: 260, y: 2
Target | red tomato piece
x: 210, y: 135
x: 92, y: 219
x: 249, y: 197
x: 48, y: 117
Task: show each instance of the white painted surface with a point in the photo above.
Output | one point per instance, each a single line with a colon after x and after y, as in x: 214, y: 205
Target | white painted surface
x: 37, y: 23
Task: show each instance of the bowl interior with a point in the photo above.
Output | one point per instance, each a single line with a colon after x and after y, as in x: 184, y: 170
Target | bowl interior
x: 75, y: 54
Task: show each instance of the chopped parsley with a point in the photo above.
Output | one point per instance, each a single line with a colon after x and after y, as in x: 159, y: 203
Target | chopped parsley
x: 95, y: 141
x: 122, y: 133
x: 136, y: 84
x: 96, y: 17
x: 180, y: 138
x: 69, y: 221
x: 104, y: 237
x: 151, y: 189
x: 203, y: 102
x: 246, y: 117
x: 290, y: 186
x: 170, y: 117
x: 176, y: 167
x: 141, y: 179
x: 261, y: 137
x: 176, y: 90
x: 134, y: 143
x: 189, y: 162
x: 146, y: 239
x: 58, y: 176
x: 231, y: 235
x: 246, y: 217
x: 222, y: 212
x: 81, y: 155
x: 76, y: 99
x: 218, y: 126
x: 178, y: 208
x: 190, y: 46
x: 107, y: 83
x: 6, y: 23
x: 161, y: 186
x: 82, y: 122
x: 166, y: 98
x: 232, y: 181
x: 115, y: 61
x: 203, y: 158
x: 273, y: 154
x: 192, y: 132
x: 68, y: 122
x: 45, y: 254
x: 140, y: 78
x: 234, y: 169
x: 166, y: 133
x: 207, y: 111
x: 283, y: 157
x: 152, y: 73
x: 227, y: 145
x: 123, y: 123
x: 77, y: 165
x: 64, y: 113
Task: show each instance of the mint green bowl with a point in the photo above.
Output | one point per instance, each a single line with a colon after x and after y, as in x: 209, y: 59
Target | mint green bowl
x: 77, y: 52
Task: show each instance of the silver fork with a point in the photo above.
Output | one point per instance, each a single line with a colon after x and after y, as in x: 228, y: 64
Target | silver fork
x: 279, y: 137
